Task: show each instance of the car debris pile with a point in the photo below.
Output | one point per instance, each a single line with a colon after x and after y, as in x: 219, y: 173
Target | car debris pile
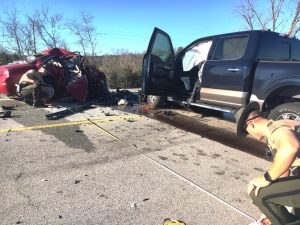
x: 118, y: 97
x: 70, y: 76
x: 124, y: 97
x: 67, y: 74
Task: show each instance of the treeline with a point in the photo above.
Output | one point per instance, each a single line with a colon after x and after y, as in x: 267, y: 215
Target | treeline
x: 6, y: 57
x: 123, y: 70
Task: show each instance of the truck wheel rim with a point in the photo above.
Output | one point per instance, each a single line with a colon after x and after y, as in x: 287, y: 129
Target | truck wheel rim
x: 152, y: 98
x: 288, y: 116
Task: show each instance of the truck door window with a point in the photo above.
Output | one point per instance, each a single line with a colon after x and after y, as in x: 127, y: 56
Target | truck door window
x: 192, y: 63
x: 162, y: 48
x: 295, y: 51
x: 196, y: 55
x: 230, y: 48
x: 274, y: 48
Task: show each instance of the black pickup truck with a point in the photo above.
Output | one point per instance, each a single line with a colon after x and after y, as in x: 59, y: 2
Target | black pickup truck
x: 225, y: 72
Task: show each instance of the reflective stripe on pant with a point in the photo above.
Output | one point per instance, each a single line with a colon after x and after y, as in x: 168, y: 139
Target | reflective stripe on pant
x: 272, y: 200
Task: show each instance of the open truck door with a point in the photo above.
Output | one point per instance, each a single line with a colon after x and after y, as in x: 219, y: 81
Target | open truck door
x: 158, y: 74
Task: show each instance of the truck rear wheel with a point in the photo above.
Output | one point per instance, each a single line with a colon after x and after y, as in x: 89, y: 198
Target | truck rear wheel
x: 290, y: 111
x: 156, y: 101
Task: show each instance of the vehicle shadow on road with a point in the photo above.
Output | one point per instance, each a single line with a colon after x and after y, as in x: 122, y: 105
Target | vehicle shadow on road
x: 198, y: 125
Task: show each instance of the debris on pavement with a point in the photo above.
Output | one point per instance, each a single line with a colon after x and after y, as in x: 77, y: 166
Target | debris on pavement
x: 133, y: 205
x: 79, y: 131
x: 4, y: 113
x: 123, y: 102
x: 130, y: 97
x: 108, y: 114
x: 120, y: 97
x: 77, y: 181
x: 130, y: 120
x: 68, y: 111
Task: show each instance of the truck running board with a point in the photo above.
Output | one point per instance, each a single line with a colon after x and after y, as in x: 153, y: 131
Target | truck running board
x: 203, y: 105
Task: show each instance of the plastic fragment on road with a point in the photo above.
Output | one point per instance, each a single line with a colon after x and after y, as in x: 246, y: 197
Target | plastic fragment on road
x: 123, y: 102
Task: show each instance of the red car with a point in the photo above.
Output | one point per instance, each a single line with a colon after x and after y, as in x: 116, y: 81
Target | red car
x: 68, y: 75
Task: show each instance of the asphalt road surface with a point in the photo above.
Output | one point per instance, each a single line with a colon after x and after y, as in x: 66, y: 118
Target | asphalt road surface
x: 138, y: 166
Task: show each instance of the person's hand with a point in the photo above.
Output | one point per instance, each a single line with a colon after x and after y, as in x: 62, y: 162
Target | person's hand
x: 257, y: 183
x: 263, y: 220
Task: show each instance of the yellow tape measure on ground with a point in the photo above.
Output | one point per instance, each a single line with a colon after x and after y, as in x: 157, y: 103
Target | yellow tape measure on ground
x: 173, y: 222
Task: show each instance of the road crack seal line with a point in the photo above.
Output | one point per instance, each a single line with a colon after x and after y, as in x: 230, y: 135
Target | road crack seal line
x: 30, y: 202
x: 195, y: 185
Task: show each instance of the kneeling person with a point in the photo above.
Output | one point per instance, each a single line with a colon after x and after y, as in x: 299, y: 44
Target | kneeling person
x: 33, y: 89
x: 276, y: 189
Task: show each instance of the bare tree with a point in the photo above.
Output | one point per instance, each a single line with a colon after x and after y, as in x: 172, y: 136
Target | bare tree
x: 245, y: 11
x: 295, y: 26
x: 13, y: 31
x: 31, y: 33
x: 89, y: 32
x: 85, y: 32
x: 276, y: 11
x: 49, y: 27
x: 75, y: 29
x: 276, y: 17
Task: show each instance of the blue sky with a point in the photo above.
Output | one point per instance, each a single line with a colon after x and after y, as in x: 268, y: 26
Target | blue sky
x: 128, y: 24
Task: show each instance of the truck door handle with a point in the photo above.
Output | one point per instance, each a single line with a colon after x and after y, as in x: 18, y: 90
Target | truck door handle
x: 233, y: 69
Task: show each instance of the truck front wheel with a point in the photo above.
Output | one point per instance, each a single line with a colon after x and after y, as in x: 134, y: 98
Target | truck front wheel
x: 156, y: 101
x: 290, y: 111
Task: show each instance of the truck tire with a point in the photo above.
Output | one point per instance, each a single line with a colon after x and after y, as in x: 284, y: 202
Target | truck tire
x: 289, y: 111
x: 156, y: 101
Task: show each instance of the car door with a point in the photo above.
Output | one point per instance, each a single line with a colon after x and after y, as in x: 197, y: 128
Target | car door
x: 158, y: 77
x: 223, y: 81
